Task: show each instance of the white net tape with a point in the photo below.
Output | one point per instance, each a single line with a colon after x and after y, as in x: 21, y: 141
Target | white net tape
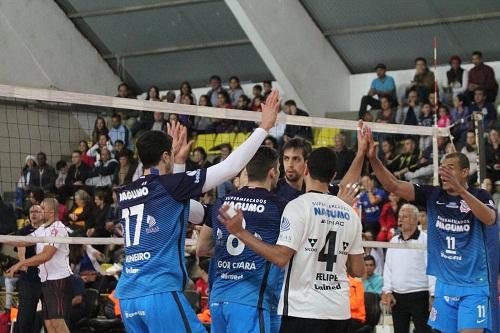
x: 119, y: 241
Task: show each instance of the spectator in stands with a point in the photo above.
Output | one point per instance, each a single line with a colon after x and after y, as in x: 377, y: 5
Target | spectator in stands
x: 444, y: 117
x: 409, y: 158
x: 22, y: 187
x: 8, y: 222
x: 153, y: 94
x: 235, y: 90
x: 382, y: 86
x: 390, y: 158
x: 488, y: 186
x: 388, y: 218
x: 35, y: 197
x: 292, y: 131
x: 119, y: 131
x: 386, y: 114
x: 423, y: 81
x: 486, y: 108
x: 104, y: 170
x: 375, y: 252
x: 271, y: 142
x: 215, y: 89
x: 29, y: 286
x: 268, y: 87
x: 460, y: 115
x: 422, y: 220
x: 408, y: 294
x: 96, y: 225
x: 256, y: 92
x: 185, y: 90
x: 169, y: 97
x: 372, y: 282
x: 345, y: 156
x: 200, y: 158
x: 83, y: 146
x: 203, y: 125
x: 457, y: 80
x: 62, y: 172
x: 370, y: 201
x: 103, y: 143
x: 493, y: 155
x: 470, y: 150
x: 426, y: 118
x: 78, y: 172
x: 99, y: 128
x: 43, y: 175
x: 145, y: 120
x: 82, y: 213
x: 201, y: 284
x: 256, y: 105
x: 243, y: 104
x: 125, y: 171
x: 407, y: 113
x: 62, y: 198
x: 159, y: 123
x: 119, y: 148
x: 77, y: 311
x: 357, y: 305
x: 425, y: 168
x: 482, y: 76
x: 123, y: 90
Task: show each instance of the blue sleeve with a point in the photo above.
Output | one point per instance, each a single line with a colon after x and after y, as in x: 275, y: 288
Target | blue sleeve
x: 372, y: 86
x: 485, y: 198
x: 78, y: 286
x: 392, y: 84
x: 184, y: 185
x: 422, y: 193
x: 380, y: 193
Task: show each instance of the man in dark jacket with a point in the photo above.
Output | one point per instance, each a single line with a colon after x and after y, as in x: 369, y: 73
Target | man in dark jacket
x: 292, y: 131
x: 43, y: 175
x: 78, y: 172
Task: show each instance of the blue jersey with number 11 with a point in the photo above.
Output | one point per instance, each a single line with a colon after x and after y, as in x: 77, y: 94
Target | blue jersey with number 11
x: 154, y: 216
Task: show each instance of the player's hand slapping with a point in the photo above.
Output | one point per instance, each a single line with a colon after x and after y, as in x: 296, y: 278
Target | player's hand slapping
x: 349, y: 194
x: 270, y: 110
x: 451, y: 180
x: 233, y: 224
x: 180, y: 146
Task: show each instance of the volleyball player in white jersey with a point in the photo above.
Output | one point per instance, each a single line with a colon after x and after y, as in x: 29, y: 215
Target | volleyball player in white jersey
x: 320, y: 236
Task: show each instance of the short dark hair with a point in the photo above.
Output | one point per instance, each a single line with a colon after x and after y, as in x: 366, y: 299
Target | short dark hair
x: 204, y: 265
x: 322, y: 164
x: 202, y: 151
x: 103, y: 195
x: 460, y: 97
x: 151, y: 145
x: 273, y: 140
x: 269, y: 82
x: 76, y: 151
x: 463, y: 161
x: 369, y: 257
x: 481, y: 89
x: 123, y: 84
x: 42, y: 154
x: 290, y: 102
x: 116, y: 115
x: 61, y: 164
x: 38, y: 194
x: 478, y: 53
x: 421, y: 59
x: 119, y: 141
x: 257, y: 86
x: 299, y: 144
x: 264, y: 159
x: 215, y: 77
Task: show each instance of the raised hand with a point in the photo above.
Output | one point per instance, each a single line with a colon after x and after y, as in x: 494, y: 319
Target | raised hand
x: 270, y: 110
x: 363, y: 142
x: 372, y: 145
x: 234, y: 225
x: 180, y: 146
x: 448, y: 178
x: 348, y: 194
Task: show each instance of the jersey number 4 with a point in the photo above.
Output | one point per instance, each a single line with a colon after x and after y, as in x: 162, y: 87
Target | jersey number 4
x: 127, y: 213
x: 330, y: 257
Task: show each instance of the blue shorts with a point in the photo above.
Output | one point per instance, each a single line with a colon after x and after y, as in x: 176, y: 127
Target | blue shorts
x: 166, y: 312
x: 234, y: 317
x: 454, y: 312
x: 275, y: 322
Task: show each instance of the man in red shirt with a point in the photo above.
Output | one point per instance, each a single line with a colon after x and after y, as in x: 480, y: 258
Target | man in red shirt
x: 201, y: 284
x: 482, y: 76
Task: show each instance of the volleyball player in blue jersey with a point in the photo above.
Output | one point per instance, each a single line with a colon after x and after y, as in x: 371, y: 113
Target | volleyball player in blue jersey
x: 463, y: 249
x: 154, y: 212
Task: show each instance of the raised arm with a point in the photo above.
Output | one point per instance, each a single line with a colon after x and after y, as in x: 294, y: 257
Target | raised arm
x: 237, y: 160
x: 352, y: 175
x: 401, y: 188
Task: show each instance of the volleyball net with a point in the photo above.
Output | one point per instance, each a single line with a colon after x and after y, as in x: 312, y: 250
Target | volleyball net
x: 58, y: 123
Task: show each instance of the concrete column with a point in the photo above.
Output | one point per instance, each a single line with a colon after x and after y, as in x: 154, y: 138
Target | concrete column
x: 296, y: 52
x: 42, y: 48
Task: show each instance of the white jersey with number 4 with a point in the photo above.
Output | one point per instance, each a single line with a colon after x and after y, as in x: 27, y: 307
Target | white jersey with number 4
x: 323, y: 230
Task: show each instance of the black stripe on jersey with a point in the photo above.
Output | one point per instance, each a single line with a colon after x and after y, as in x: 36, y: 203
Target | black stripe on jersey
x: 287, y: 285
x: 263, y: 287
x: 180, y: 248
x: 181, y: 310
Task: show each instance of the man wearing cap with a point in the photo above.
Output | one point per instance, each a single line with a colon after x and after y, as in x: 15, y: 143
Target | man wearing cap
x: 383, y: 85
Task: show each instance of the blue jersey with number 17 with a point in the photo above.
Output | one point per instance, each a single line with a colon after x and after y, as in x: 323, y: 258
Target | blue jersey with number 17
x: 242, y: 276
x: 154, y: 216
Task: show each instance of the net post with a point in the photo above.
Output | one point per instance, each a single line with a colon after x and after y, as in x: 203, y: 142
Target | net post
x: 479, y: 131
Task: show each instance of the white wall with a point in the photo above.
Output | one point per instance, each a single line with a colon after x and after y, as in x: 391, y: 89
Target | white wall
x: 42, y: 48
x: 360, y: 83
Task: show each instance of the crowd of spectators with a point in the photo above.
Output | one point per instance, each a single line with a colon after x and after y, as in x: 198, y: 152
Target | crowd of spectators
x: 85, y: 186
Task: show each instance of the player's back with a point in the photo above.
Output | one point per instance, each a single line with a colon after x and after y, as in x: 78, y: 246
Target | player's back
x: 241, y: 275
x: 323, y: 230
x: 154, y: 215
